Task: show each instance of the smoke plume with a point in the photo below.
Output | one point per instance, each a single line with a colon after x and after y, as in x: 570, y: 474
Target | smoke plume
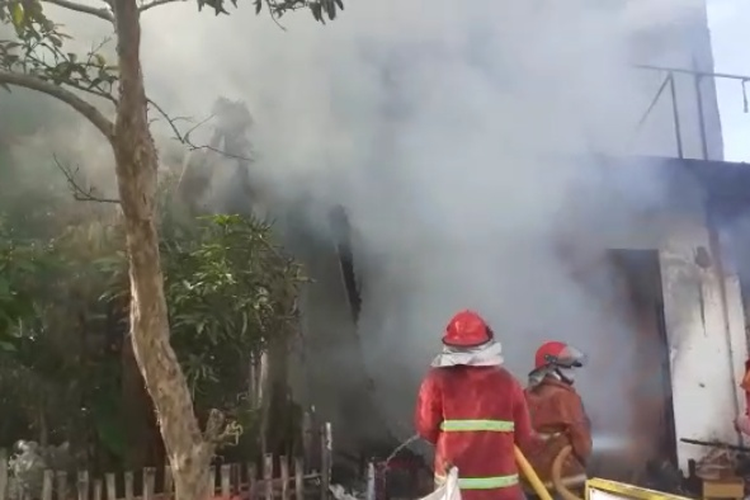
x: 462, y: 140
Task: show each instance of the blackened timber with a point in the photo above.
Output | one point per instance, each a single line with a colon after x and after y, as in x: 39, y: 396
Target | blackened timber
x: 343, y: 240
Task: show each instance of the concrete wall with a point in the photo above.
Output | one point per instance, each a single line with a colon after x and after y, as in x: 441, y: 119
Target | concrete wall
x: 705, y: 328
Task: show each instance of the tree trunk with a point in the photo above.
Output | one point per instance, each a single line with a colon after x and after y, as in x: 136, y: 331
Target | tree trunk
x: 136, y: 166
x: 137, y: 412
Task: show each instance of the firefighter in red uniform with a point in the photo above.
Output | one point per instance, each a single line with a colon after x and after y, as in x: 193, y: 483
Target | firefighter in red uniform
x: 474, y: 412
x: 742, y: 422
x: 557, y: 413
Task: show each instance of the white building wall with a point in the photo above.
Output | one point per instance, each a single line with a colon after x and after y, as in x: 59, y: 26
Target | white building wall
x: 707, y: 343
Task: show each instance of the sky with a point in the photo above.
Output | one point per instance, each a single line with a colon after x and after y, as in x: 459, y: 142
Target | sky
x: 729, y: 21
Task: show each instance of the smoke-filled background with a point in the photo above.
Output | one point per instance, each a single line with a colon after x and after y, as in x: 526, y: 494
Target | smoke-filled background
x: 460, y: 138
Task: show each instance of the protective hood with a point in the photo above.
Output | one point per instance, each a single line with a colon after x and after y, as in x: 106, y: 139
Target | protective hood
x: 489, y: 354
x: 566, y: 375
x: 536, y: 376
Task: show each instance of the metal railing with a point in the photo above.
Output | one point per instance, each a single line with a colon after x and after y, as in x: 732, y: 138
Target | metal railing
x: 697, y: 77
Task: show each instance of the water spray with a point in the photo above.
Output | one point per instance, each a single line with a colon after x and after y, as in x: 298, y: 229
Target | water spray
x: 400, y: 447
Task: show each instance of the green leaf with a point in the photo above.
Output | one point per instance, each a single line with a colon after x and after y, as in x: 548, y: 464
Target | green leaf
x: 17, y: 16
x: 7, y: 346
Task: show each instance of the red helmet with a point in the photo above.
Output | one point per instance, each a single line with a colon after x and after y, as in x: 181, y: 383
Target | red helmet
x: 558, y: 355
x: 467, y: 329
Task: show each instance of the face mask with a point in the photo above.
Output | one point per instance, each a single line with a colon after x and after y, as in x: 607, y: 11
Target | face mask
x: 567, y: 374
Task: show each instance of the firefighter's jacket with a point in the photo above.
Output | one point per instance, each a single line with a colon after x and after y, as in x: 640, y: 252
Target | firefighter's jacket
x: 558, y: 416
x: 474, y: 415
x: 742, y: 422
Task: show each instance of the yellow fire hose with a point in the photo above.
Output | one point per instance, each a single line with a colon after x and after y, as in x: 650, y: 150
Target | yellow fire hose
x: 536, y: 483
x: 531, y: 475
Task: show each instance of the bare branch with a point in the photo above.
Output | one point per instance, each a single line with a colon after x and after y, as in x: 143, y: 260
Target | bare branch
x: 156, y: 3
x: 274, y: 15
x: 92, y: 114
x: 84, y: 9
x: 185, y: 138
x: 79, y: 193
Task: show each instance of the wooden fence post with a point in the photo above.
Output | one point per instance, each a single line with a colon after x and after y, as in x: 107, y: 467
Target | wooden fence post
x: 268, y: 475
x: 167, y: 488
x: 97, y: 489
x: 284, y: 468
x: 299, y: 478
x: 3, y: 474
x: 129, y: 480
x: 83, y: 485
x: 149, y: 483
x: 48, y: 484
x: 225, y: 481
x: 370, y: 492
x: 326, y: 447
x: 62, y: 485
x: 212, y: 481
x: 252, y: 477
x: 111, y: 485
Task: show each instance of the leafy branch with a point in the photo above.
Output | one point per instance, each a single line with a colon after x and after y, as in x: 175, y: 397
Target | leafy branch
x: 38, y: 52
x: 35, y: 59
x: 101, y: 13
x: 320, y: 9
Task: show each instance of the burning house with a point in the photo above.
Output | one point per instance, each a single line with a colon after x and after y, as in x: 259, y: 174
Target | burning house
x: 672, y: 329
x: 646, y: 283
x: 606, y: 219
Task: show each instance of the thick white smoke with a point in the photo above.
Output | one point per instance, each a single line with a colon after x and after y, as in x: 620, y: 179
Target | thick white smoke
x: 459, y: 137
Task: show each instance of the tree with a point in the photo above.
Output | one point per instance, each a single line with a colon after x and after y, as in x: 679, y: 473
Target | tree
x: 69, y: 377
x: 35, y: 59
x: 17, y: 263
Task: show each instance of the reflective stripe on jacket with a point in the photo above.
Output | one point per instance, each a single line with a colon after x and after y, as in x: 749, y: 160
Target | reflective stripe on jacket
x: 476, y: 425
x: 474, y: 416
x: 481, y: 483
